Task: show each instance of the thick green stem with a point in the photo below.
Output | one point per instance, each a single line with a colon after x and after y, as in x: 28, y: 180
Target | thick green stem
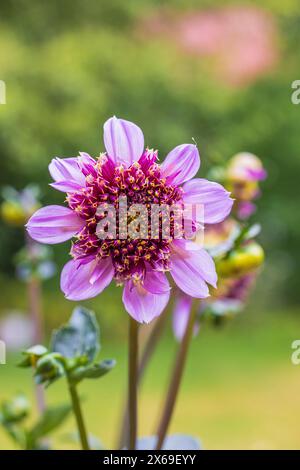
x: 176, y: 377
x: 79, y: 417
x: 132, y: 382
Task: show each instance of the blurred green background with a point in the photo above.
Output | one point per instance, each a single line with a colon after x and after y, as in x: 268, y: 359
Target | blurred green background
x: 220, y: 73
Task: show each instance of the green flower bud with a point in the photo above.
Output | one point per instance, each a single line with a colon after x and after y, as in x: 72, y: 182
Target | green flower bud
x: 49, y: 368
x: 13, y: 213
x: 15, y: 409
x: 241, y: 261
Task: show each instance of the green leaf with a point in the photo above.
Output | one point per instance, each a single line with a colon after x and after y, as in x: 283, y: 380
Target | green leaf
x: 94, y: 371
x: 12, y: 414
x: 50, y: 420
x: 247, y: 232
x: 253, y: 231
x: 80, y: 337
x: 17, y: 433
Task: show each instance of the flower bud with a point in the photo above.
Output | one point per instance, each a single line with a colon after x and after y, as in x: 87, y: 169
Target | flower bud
x: 13, y: 214
x: 241, y: 261
x: 15, y: 409
x: 245, y: 167
x: 49, y: 368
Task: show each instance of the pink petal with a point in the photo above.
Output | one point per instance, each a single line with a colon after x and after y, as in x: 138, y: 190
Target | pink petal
x: 54, y: 224
x: 213, y: 196
x: 181, y: 164
x: 204, y: 263
x: 191, y: 270
x: 257, y: 174
x: 182, y: 245
x: 68, y: 172
x: 102, y: 268
x: 87, y: 164
x: 156, y: 282
x: 66, y: 186
x: 181, y: 314
x: 75, y: 279
x: 245, y: 209
x: 123, y: 140
x: 142, y: 305
x: 85, y: 159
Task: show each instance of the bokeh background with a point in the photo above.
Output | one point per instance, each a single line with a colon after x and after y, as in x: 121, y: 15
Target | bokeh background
x: 217, y: 71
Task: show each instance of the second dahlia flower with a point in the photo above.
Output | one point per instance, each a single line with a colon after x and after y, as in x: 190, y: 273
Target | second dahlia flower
x: 140, y: 263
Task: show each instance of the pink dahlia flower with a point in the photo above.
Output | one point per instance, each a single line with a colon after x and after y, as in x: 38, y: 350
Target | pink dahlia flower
x: 139, y: 264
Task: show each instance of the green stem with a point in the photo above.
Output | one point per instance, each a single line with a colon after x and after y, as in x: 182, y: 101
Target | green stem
x: 34, y: 297
x: 147, y: 352
x: 133, y: 382
x: 176, y: 377
x: 151, y: 343
x: 35, y: 309
x: 79, y: 417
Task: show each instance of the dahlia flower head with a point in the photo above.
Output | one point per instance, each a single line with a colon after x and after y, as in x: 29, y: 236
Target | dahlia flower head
x: 140, y: 264
x: 244, y: 173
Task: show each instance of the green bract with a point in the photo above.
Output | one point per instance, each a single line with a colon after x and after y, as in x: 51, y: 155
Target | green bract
x: 73, y: 350
x: 79, y: 338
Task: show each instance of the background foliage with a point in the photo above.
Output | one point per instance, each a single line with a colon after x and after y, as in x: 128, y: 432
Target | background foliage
x: 70, y: 65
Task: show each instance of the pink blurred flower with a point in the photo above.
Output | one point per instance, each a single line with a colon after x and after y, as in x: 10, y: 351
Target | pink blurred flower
x: 241, y: 40
x: 243, y: 175
x: 245, y: 209
x: 245, y: 167
x: 16, y: 330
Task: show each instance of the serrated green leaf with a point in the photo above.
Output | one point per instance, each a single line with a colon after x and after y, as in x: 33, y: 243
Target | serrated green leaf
x: 92, y: 372
x: 79, y: 338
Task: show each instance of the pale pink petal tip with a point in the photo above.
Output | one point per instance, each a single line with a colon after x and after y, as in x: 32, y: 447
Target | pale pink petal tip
x: 123, y: 140
x: 67, y: 174
x: 213, y: 197
x: 181, y: 164
x: 144, y: 305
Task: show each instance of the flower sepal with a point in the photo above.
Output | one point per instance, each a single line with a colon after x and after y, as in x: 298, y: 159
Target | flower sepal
x: 93, y: 371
